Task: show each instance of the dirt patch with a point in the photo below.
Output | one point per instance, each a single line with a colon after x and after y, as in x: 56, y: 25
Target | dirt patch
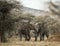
x: 54, y: 38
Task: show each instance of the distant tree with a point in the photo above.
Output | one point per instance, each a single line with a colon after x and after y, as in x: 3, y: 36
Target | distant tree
x: 27, y: 16
x: 52, y: 24
x: 54, y: 8
x: 6, y: 21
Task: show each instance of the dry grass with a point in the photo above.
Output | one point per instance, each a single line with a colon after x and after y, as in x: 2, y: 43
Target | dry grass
x: 54, y: 38
x: 30, y: 43
x: 15, y: 42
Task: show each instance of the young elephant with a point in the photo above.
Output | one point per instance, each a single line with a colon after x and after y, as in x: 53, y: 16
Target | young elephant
x: 25, y: 30
x: 42, y: 31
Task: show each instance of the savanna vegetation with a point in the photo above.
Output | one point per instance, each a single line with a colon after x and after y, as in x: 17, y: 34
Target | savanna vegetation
x: 12, y: 18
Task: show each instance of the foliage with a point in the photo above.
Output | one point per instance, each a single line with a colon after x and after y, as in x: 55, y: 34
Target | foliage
x: 54, y: 8
x: 52, y: 24
x: 6, y: 21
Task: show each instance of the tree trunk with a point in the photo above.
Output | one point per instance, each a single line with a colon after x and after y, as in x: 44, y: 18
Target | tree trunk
x: 3, y: 38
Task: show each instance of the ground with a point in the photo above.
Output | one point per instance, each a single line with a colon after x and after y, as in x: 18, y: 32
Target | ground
x: 15, y: 42
x: 23, y: 43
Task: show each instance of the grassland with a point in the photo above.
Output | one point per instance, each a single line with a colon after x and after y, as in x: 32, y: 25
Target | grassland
x: 15, y: 42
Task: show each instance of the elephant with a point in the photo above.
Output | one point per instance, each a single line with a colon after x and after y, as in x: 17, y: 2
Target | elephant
x: 42, y: 31
x: 25, y: 30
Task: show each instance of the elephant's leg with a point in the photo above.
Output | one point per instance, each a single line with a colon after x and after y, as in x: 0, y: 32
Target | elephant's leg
x: 20, y: 37
x: 28, y: 37
x: 47, y: 35
x: 35, y: 37
x: 25, y: 37
x: 41, y: 37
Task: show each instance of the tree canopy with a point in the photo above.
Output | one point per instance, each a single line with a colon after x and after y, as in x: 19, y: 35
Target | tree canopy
x: 6, y: 21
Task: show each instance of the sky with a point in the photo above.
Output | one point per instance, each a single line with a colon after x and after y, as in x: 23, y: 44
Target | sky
x: 36, y: 4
